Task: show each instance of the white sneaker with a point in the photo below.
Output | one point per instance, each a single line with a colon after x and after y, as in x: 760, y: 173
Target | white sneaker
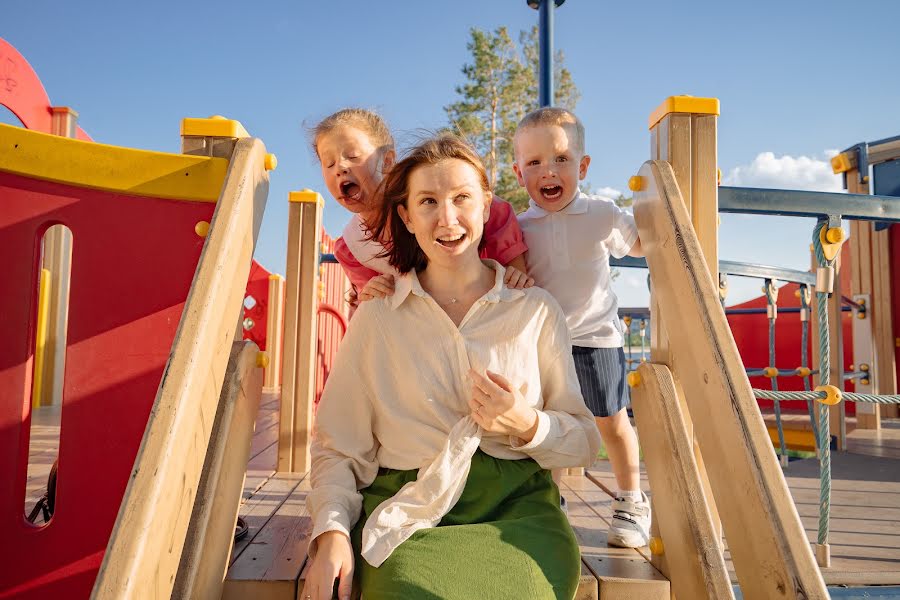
x: 630, y: 526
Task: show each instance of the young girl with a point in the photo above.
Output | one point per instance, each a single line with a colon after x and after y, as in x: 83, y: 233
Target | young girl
x: 356, y: 150
x: 439, y: 486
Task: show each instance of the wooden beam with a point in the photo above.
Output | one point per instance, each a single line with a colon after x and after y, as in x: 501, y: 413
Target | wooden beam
x: 210, y: 537
x: 146, y: 543
x: 299, y: 370
x: 765, y: 537
x: 274, y: 333
x: 691, y: 541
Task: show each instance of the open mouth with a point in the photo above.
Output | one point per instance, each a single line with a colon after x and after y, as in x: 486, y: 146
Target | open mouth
x: 350, y: 191
x: 451, y: 241
x: 551, y: 192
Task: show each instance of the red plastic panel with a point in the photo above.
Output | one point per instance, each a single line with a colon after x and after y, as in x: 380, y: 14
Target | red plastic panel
x: 133, y: 262
x: 258, y: 288
x: 22, y: 93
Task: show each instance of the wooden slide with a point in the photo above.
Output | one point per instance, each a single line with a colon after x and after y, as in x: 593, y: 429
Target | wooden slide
x: 768, y: 545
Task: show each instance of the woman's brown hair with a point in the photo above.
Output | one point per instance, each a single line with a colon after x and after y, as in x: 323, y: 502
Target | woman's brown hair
x: 401, y: 248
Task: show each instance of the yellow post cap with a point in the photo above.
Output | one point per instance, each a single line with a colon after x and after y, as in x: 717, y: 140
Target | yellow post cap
x: 271, y: 162
x: 684, y: 104
x: 275, y: 276
x: 633, y: 379
x: 833, y: 395
x: 202, y: 228
x: 306, y: 195
x: 656, y: 546
x: 214, y: 126
x: 840, y: 163
x: 636, y: 183
x: 262, y: 359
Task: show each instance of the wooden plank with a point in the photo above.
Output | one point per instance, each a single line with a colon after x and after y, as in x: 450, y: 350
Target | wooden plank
x: 260, y: 507
x: 289, y: 342
x: 162, y: 487
x: 211, y: 532
x: 274, y: 333
x: 697, y: 569
x: 270, y: 565
x: 883, y: 152
x: 886, y: 368
x: 765, y: 535
x: 620, y: 572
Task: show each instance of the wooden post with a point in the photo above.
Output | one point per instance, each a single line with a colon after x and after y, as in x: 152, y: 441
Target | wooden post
x: 683, y: 133
x: 274, y: 333
x: 298, y: 372
x: 691, y: 539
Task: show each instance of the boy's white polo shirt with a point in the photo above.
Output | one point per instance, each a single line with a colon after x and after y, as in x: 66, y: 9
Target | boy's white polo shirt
x: 568, y: 255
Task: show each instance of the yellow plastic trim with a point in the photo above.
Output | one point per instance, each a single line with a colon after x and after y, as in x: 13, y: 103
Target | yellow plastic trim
x: 275, y: 276
x: 833, y: 397
x: 215, y: 126
x: 627, y: 320
x: 684, y: 104
x: 306, y: 195
x: 262, y: 359
x: 656, y: 546
x: 110, y: 168
x: 864, y: 381
x: 864, y: 368
x: 633, y: 379
x: 636, y: 183
x: 840, y: 163
x: 202, y: 228
x: 831, y: 238
x: 271, y: 162
x: 40, y: 343
x: 770, y: 372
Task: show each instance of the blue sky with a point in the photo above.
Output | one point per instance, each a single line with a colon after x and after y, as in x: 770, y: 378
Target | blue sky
x: 795, y: 80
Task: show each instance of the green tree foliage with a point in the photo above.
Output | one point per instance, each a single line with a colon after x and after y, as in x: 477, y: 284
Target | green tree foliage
x: 501, y: 87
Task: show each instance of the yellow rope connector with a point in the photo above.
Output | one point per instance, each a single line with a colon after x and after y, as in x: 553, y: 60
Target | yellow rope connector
x: 770, y: 372
x: 202, y: 228
x: 627, y: 320
x: 803, y: 371
x: 262, y: 359
x: 833, y: 396
x: 831, y: 239
x: 636, y: 183
x: 835, y: 235
x: 633, y: 379
x: 656, y: 546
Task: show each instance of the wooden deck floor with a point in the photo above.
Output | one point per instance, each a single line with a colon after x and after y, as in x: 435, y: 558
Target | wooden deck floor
x: 864, y: 535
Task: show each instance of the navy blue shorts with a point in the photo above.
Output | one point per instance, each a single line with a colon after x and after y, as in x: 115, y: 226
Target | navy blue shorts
x: 601, y: 374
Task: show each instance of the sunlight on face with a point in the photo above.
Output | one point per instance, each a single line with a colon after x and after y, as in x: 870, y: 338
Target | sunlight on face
x: 549, y: 164
x: 446, y: 210
x: 351, y: 166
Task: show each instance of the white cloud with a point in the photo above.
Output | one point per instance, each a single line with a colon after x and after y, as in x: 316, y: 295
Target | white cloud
x: 787, y: 173
x: 609, y: 192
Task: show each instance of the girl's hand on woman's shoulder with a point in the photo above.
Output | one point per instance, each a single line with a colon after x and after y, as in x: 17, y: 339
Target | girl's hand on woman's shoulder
x: 516, y: 279
x: 333, y: 560
x: 377, y: 287
x: 499, y: 407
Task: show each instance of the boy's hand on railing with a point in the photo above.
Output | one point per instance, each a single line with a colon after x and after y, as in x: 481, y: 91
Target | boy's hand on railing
x: 516, y: 279
x: 377, y: 287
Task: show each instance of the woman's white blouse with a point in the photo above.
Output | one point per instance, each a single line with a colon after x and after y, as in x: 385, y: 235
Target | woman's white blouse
x: 397, y: 397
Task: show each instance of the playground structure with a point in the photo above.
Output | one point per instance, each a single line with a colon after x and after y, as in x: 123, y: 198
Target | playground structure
x: 147, y: 497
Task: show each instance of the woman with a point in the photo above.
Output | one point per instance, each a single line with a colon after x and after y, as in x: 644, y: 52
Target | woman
x: 447, y: 405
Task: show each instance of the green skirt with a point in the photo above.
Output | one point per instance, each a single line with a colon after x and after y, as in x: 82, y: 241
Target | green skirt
x: 505, y: 538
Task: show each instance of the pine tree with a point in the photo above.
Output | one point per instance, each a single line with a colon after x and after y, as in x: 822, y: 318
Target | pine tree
x: 502, y: 87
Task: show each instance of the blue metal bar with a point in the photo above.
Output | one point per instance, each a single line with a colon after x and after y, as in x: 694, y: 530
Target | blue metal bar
x: 327, y: 259
x: 546, y: 95
x: 798, y: 203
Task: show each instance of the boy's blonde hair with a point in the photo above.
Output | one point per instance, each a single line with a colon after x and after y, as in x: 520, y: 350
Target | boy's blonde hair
x: 549, y: 115
x: 365, y: 120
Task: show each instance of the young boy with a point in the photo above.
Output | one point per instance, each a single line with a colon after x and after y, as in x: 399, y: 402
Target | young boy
x: 570, y: 236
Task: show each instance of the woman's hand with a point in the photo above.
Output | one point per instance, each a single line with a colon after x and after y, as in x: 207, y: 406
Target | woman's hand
x: 377, y: 287
x: 516, y: 279
x: 333, y: 560
x: 499, y: 407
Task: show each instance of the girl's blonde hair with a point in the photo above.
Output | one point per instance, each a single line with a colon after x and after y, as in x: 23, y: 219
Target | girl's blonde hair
x: 363, y: 119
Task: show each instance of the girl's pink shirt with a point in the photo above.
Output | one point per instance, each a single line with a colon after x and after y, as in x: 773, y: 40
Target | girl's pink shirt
x: 504, y: 241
